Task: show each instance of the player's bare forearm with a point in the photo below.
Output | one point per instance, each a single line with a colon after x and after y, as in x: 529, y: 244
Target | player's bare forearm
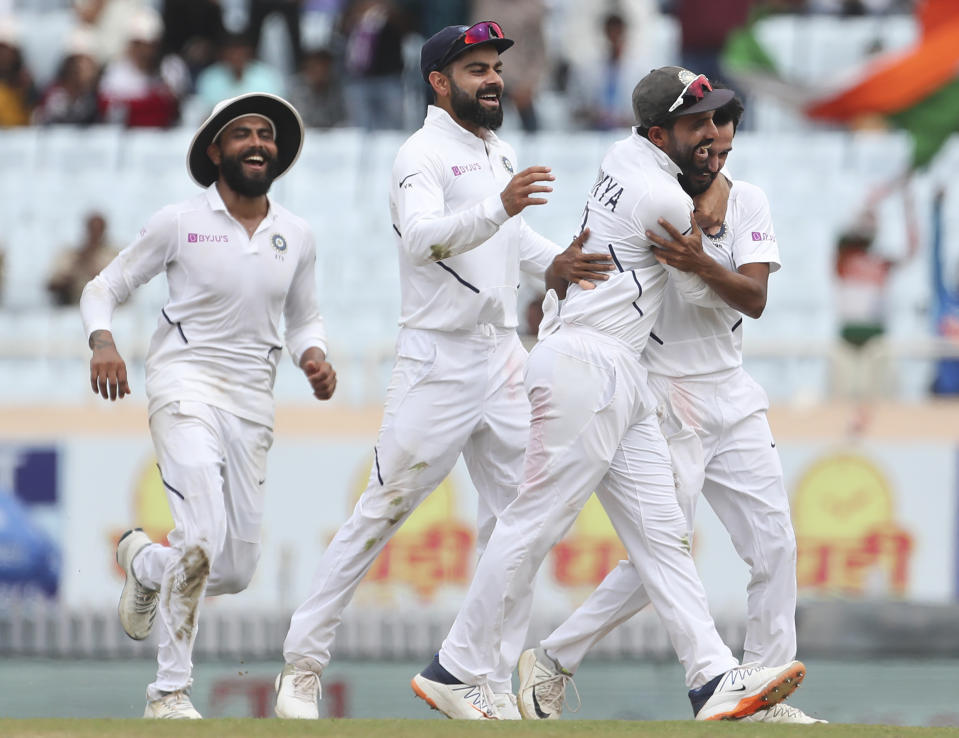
x: 744, y: 290
x: 108, y: 371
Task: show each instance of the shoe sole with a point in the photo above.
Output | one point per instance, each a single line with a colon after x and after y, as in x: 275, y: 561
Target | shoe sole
x: 774, y: 692
x: 421, y: 692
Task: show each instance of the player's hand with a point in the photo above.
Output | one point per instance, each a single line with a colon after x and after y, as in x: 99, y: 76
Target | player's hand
x: 711, y: 205
x: 682, y: 252
x: 108, y: 371
x: 585, y: 270
x: 518, y: 194
x: 322, y: 378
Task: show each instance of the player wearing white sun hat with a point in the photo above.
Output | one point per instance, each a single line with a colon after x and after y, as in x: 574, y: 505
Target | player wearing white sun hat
x: 235, y: 262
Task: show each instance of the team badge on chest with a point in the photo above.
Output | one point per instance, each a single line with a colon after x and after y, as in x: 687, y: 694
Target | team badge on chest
x: 507, y: 165
x: 279, y: 245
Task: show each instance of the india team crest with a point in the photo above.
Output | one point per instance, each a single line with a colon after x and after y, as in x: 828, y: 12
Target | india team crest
x: 685, y: 76
x: 507, y: 164
x: 278, y: 242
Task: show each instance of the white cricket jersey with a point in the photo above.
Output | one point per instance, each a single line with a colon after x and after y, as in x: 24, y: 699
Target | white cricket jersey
x: 460, y: 253
x: 217, y: 339
x: 690, y: 340
x: 636, y: 186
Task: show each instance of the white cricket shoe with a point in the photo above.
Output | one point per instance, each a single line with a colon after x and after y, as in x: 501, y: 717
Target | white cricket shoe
x: 297, y: 691
x: 458, y: 701
x: 506, y: 706
x: 542, y: 686
x: 742, y: 691
x: 782, y: 713
x: 172, y: 706
x: 138, y: 604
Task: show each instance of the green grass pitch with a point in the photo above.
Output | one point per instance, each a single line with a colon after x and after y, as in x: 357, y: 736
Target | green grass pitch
x: 242, y: 728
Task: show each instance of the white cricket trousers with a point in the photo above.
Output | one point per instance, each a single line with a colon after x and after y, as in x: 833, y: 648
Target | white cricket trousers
x: 213, y: 466
x: 720, y: 443
x: 593, y: 428
x: 450, y: 393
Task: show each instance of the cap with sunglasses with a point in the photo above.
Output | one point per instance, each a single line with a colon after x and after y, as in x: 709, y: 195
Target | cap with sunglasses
x: 444, y: 46
x: 669, y: 92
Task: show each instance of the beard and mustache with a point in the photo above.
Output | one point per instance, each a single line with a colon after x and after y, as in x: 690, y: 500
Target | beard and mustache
x: 231, y: 169
x: 469, y: 108
x: 694, y: 178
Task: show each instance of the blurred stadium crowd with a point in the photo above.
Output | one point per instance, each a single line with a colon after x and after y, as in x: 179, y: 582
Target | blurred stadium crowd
x: 159, y: 63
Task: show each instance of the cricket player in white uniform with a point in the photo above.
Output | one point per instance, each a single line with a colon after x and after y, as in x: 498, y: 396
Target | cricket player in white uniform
x: 456, y: 386
x: 235, y: 262
x: 594, y: 427
x: 714, y: 417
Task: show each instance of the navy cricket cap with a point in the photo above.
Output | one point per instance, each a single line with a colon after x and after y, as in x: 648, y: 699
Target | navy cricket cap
x: 444, y: 46
x: 667, y: 93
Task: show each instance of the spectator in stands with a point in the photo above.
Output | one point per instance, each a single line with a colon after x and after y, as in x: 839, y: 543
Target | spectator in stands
x: 703, y: 28
x: 289, y: 11
x: 17, y: 92
x: 374, y: 32
x: 526, y: 70
x: 141, y: 88
x: 72, y: 96
x: 237, y: 73
x: 108, y: 21
x: 192, y: 30
x: 426, y: 17
x: 601, y: 90
x: 74, y: 267
x: 945, y: 307
x: 316, y: 91
x: 862, y: 287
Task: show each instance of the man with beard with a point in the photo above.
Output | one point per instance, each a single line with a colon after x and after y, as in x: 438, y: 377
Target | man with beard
x: 594, y: 427
x: 713, y: 415
x: 456, y: 386
x: 235, y: 262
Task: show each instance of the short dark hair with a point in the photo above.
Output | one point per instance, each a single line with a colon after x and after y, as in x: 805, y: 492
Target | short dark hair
x: 731, y: 112
x: 667, y: 124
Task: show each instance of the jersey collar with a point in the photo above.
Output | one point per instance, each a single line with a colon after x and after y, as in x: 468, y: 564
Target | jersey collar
x: 436, y: 116
x: 657, y: 154
x: 216, y: 203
